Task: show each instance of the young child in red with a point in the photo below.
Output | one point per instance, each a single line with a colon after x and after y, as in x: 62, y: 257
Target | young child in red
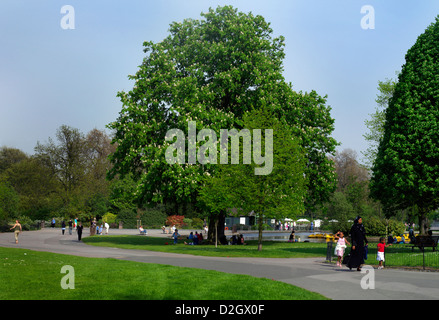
x: 380, y: 253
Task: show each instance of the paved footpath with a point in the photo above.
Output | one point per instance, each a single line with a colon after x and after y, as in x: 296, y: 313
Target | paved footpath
x: 310, y: 273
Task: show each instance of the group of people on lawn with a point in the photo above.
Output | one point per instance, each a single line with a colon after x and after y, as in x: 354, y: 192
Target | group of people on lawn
x: 194, y: 239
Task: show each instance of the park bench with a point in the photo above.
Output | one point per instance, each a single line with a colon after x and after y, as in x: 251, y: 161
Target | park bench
x: 424, y: 241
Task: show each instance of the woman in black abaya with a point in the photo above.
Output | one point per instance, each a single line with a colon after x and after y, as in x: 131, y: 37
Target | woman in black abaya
x: 358, y: 239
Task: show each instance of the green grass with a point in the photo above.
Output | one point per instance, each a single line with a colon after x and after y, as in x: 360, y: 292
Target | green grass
x: 33, y: 275
x: 402, y: 255
x: 270, y: 249
x: 396, y: 255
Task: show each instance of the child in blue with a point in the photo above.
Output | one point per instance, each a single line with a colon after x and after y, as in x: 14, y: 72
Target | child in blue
x: 175, y: 235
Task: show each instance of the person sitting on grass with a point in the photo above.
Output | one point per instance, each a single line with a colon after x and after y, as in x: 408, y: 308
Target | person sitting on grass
x: 196, y: 238
x: 200, y: 238
x: 190, y: 238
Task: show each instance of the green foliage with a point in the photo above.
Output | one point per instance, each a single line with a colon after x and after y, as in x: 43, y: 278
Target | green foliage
x: 395, y: 227
x: 213, y: 71
x: 10, y: 157
x: 122, y: 193
x: 340, y: 208
x: 376, y: 122
x: 375, y: 226
x: 109, y: 217
x: 9, y: 201
x: 275, y: 193
x: 382, y: 227
x: 26, y: 222
x: 153, y: 217
x: 197, y: 223
x: 128, y: 217
x: 406, y: 170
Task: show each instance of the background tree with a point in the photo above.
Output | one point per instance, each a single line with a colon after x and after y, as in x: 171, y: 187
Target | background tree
x: 311, y: 121
x: 277, y: 194
x: 406, y: 170
x: 66, y: 160
x: 8, y: 201
x: 212, y: 71
x: 9, y: 157
x: 376, y: 122
x: 78, y: 163
x: 36, y: 186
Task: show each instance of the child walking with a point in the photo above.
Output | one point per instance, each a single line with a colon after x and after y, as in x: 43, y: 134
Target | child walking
x: 340, y: 247
x: 175, y: 235
x: 380, y: 252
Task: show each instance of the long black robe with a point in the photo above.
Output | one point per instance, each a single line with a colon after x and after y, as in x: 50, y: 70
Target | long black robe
x: 358, y: 238
x: 79, y: 230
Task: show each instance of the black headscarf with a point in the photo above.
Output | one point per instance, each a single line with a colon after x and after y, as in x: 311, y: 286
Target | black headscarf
x: 358, y: 233
x: 358, y: 238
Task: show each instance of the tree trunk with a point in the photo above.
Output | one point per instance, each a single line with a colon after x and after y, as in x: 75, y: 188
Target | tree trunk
x: 260, y: 225
x: 221, y: 219
x: 423, y: 221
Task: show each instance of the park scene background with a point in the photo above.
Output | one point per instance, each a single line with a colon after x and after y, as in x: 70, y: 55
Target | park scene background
x: 351, y: 94
x: 64, y: 174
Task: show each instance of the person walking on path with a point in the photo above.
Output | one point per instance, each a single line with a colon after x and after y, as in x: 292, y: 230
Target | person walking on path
x: 17, y: 231
x: 340, y: 247
x: 63, y: 227
x: 79, y: 231
x: 358, y: 238
x: 380, y: 252
x: 70, y: 226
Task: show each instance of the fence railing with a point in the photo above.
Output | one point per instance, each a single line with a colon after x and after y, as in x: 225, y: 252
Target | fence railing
x: 407, y: 255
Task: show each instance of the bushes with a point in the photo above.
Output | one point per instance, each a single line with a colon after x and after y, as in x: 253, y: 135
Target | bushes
x: 176, y: 220
x: 377, y: 227
x: 153, y: 218
x: 373, y: 225
x: 181, y: 222
x: 109, y: 218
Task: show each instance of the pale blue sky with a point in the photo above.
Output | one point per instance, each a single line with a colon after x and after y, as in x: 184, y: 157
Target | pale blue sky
x: 50, y: 76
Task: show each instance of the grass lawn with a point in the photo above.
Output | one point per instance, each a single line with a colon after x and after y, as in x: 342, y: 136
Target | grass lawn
x: 270, y: 249
x: 402, y: 255
x: 396, y: 255
x: 33, y: 275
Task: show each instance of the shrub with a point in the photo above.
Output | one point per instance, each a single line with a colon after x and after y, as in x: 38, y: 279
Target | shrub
x: 377, y: 227
x: 197, y: 223
x: 175, y: 220
x: 396, y: 227
x: 153, y: 218
x: 109, y: 218
x: 374, y: 226
x: 128, y: 218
